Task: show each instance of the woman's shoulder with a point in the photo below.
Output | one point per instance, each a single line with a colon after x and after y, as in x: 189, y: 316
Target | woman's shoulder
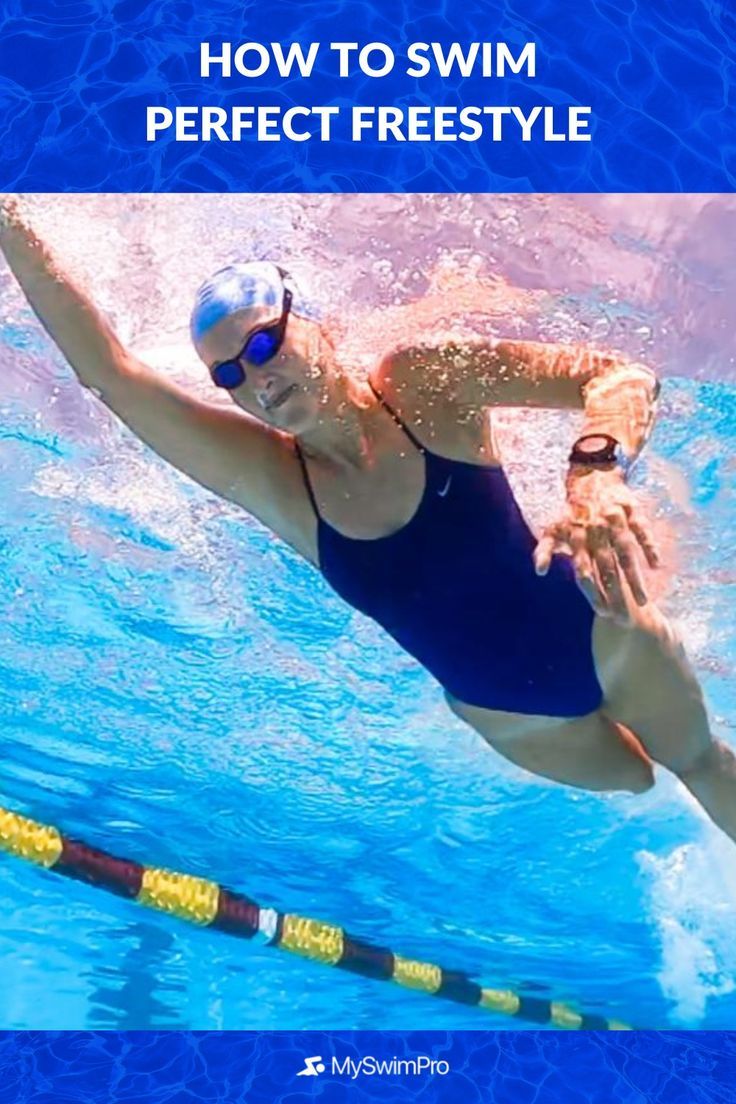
x: 411, y: 387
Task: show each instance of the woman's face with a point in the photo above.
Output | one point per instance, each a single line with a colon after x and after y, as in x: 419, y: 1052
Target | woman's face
x: 287, y: 391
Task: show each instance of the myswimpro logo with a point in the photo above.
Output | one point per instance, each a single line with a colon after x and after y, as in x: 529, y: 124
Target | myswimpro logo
x: 370, y: 1066
x: 312, y: 1066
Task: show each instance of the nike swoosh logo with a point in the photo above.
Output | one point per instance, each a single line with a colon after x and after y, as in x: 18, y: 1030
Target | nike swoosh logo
x: 446, y: 487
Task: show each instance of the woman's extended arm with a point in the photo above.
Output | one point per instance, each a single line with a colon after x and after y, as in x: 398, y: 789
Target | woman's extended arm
x: 618, y: 395
x: 225, y: 450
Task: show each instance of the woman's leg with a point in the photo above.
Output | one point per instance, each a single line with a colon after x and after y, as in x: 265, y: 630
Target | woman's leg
x: 650, y: 688
x: 592, y: 753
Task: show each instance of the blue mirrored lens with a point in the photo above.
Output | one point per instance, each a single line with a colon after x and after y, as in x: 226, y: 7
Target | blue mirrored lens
x: 229, y: 374
x: 262, y: 346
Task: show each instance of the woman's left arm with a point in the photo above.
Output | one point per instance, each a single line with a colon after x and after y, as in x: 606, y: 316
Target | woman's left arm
x: 617, y: 394
x: 603, y: 528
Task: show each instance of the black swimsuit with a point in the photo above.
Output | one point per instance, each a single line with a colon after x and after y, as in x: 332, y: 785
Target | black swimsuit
x: 456, y: 587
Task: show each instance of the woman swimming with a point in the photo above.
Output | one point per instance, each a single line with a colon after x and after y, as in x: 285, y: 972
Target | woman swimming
x: 391, y: 486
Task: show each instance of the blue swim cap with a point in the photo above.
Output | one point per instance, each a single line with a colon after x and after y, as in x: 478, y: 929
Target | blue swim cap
x: 256, y: 286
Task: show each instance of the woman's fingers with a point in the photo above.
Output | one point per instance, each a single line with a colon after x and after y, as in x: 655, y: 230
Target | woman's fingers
x: 590, y: 589
x: 612, y: 588
x: 606, y: 555
x: 606, y: 570
x: 582, y: 562
x: 9, y: 210
x: 643, y: 534
x: 545, y: 549
x: 626, y: 552
x: 593, y: 560
x: 587, y: 580
x: 627, y: 555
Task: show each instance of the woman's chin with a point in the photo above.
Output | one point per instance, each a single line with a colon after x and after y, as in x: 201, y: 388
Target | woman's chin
x: 297, y: 415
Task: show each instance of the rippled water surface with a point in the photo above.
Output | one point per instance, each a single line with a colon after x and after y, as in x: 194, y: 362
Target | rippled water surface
x: 177, y: 687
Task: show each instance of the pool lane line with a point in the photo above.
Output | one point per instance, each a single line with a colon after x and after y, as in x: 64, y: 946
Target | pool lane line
x: 205, y: 903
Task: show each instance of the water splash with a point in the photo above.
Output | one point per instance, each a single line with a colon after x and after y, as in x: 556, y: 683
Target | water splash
x: 652, y: 274
x: 692, y: 901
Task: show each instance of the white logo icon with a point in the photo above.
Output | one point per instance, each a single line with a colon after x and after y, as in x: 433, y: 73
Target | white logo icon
x: 446, y: 487
x: 312, y: 1066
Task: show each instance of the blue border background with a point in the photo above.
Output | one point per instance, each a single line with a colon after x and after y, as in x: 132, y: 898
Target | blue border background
x: 506, y: 1067
x: 77, y: 75
x: 75, y: 78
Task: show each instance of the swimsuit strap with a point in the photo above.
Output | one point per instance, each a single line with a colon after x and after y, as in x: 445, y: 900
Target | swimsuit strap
x: 389, y: 410
x: 307, y: 480
x: 399, y: 421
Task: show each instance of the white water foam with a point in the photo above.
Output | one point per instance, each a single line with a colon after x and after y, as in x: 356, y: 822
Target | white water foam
x: 692, y: 899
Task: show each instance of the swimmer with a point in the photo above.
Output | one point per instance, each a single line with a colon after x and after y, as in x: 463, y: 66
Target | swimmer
x: 391, y: 486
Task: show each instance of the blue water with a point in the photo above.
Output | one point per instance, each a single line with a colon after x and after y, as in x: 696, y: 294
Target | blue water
x: 177, y: 687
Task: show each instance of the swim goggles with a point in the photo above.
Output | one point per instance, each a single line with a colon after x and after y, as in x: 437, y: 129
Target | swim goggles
x: 260, y: 346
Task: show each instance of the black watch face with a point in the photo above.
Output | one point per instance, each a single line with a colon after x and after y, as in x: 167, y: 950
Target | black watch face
x: 598, y: 449
x: 592, y: 445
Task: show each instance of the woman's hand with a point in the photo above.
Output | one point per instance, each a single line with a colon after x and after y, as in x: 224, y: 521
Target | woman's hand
x: 605, y: 533
x: 11, y: 214
x: 23, y: 249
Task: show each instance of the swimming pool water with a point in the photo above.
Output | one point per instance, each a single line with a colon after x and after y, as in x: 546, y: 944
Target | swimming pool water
x: 177, y: 687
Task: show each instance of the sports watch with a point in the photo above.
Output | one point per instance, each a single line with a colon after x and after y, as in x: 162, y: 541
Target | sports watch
x: 599, y: 450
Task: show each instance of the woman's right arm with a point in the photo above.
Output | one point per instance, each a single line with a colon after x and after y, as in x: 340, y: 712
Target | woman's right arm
x: 225, y: 450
